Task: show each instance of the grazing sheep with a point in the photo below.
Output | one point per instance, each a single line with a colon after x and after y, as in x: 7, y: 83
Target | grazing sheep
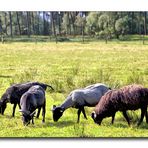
x: 131, y: 97
x: 88, y: 96
x: 31, y: 100
x: 14, y: 93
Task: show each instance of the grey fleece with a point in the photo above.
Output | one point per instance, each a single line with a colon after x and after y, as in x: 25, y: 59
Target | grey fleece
x: 88, y: 96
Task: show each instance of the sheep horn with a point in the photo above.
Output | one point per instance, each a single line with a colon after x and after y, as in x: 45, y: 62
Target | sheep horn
x: 93, y: 115
x: 25, y: 112
x: 53, y: 107
x: 32, y: 114
x: 20, y: 110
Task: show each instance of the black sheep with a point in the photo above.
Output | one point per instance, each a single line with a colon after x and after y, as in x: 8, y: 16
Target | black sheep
x: 31, y: 100
x: 131, y: 97
x: 14, y: 93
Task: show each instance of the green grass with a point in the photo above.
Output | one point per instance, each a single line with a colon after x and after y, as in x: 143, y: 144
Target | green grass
x: 67, y: 66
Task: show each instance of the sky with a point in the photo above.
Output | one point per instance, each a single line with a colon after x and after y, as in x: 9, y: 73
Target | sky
x: 74, y: 5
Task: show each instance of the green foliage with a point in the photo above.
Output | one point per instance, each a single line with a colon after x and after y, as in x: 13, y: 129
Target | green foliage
x: 121, y: 25
x: 65, y: 23
x: 80, y: 20
x: 103, y: 21
x: 60, y: 26
x: 91, y: 22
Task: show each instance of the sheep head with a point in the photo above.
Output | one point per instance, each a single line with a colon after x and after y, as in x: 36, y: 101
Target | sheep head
x: 57, y: 112
x: 96, y: 117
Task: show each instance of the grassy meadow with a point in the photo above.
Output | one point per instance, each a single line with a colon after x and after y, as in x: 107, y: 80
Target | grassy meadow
x: 67, y: 66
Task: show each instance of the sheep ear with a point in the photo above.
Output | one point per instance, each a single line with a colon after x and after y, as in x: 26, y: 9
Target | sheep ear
x: 53, y: 107
x: 8, y: 96
x: 93, y: 115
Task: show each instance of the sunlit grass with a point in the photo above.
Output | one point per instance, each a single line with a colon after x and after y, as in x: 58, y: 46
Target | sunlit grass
x: 67, y: 66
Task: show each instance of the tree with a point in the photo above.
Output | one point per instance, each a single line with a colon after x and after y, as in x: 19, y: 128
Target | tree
x: 10, y: 19
x: 104, y: 27
x: 121, y: 26
x: 80, y: 22
x: 65, y: 23
x: 28, y: 24
x: 73, y: 18
x: 53, y: 26
x: 18, y: 22
x: 144, y: 25
x: 92, y: 23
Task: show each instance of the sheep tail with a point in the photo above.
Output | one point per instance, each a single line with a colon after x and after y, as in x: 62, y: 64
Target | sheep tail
x: 50, y: 86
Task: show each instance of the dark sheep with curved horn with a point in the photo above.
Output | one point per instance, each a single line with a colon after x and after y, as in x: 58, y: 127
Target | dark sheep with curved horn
x: 14, y: 93
x: 31, y: 100
x: 131, y: 97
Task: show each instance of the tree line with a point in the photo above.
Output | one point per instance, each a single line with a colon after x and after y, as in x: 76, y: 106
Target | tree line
x: 103, y: 25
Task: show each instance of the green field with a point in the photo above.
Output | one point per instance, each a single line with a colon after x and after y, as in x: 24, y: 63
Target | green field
x: 67, y: 66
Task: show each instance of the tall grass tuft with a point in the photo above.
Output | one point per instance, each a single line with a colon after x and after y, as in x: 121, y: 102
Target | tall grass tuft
x: 79, y: 130
x: 75, y: 70
x: 70, y: 81
x: 98, y: 76
x: 58, y: 85
x: 135, y: 78
x: 115, y: 84
x: 24, y: 76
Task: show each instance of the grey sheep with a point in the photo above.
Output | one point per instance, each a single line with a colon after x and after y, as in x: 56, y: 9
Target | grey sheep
x: 79, y: 98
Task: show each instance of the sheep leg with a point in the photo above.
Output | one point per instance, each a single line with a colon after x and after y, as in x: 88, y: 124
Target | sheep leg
x: 43, y: 112
x: 146, y: 116
x: 32, y: 120
x: 39, y: 110
x: 126, y: 117
x: 79, y: 112
x: 83, y: 111
x: 14, y: 107
x: 19, y: 105
x: 143, y: 111
x: 113, y: 117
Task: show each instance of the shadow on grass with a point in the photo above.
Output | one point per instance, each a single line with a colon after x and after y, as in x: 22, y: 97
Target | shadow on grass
x: 10, y: 116
x: 133, y: 124
x: 142, y: 126
x: 3, y: 76
x: 61, y: 124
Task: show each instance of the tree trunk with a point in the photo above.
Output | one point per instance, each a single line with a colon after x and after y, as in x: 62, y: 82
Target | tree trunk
x: 53, y: 26
x: 69, y: 25
x: 18, y: 22
x: 38, y: 32
x: 83, y: 33
x: 10, y: 18
x: 132, y: 31
x: 33, y: 27
x: 28, y: 24
x: 73, y: 22
x: 6, y: 23
x: 144, y: 26
x: 59, y: 23
x: 44, y: 23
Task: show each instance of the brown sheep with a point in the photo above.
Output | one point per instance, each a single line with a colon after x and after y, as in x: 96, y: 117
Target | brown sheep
x: 131, y: 97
